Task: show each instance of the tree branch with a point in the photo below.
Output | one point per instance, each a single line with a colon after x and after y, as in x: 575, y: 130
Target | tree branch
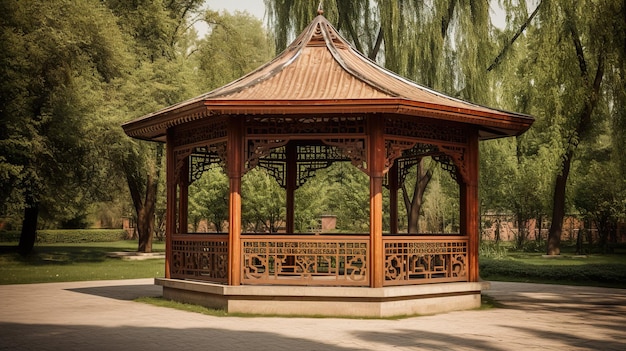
x: 519, y: 32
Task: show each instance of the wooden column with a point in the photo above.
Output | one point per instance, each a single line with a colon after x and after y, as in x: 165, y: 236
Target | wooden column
x: 376, y: 164
x: 393, y: 198
x: 183, y: 198
x: 235, y: 172
x: 170, y: 210
x: 292, y: 179
x: 469, y: 206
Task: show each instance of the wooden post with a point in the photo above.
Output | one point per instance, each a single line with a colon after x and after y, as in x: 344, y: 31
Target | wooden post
x: 170, y: 211
x: 469, y: 206
x: 183, y: 199
x: 392, y: 176
x: 291, y: 180
x: 235, y: 167
x: 375, y: 166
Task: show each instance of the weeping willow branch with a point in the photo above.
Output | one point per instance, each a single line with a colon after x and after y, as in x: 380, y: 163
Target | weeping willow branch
x: 519, y: 32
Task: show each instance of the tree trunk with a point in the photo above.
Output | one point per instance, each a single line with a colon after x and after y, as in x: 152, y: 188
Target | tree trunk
x: 558, y: 208
x: 28, y: 235
x: 414, y: 204
x: 145, y: 204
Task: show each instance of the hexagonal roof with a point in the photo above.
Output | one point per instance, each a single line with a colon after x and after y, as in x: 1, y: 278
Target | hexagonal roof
x: 320, y: 72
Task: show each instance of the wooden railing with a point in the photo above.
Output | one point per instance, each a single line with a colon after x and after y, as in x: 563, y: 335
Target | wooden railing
x: 200, y: 257
x: 335, y: 260
x: 323, y: 260
x: 425, y: 259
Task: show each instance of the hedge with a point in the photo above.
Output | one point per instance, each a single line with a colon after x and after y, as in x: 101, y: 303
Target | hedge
x: 69, y: 235
x: 600, y: 273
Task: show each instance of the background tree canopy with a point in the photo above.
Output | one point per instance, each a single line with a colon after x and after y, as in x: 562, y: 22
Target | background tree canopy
x: 72, y: 72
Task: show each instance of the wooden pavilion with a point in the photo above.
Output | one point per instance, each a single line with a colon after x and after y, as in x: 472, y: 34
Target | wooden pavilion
x: 320, y: 102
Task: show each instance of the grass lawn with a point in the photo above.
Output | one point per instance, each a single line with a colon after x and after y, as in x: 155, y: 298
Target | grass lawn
x: 75, y: 262
x: 592, y: 270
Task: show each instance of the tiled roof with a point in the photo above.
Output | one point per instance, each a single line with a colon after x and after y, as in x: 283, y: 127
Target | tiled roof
x: 321, y: 72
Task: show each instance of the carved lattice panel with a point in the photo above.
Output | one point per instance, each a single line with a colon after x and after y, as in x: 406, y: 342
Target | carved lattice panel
x: 200, y: 258
x: 448, y: 158
x: 261, y: 148
x: 353, y: 149
x: 414, y: 260
x: 201, y: 132
x: 202, y: 158
x: 271, y: 156
x: 313, y: 260
x: 424, y: 131
x: 293, y: 126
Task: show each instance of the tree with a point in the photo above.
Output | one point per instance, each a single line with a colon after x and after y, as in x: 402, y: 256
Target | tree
x: 263, y: 202
x: 57, y: 59
x: 160, y: 79
x: 208, y: 197
x: 571, y: 46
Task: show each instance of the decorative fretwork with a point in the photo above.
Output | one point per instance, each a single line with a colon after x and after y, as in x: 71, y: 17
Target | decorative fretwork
x: 257, y: 149
x: 455, y: 162
x: 200, y: 132
x: 312, y: 260
x: 416, y: 260
x: 354, y: 149
x: 312, y: 158
x: 418, y: 129
x: 309, y: 159
x: 395, y: 149
x: 289, y: 126
x: 448, y: 157
x: 200, y: 257
x: 204, y: 157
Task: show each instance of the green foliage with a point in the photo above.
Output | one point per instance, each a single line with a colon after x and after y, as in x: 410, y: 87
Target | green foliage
x: 597, y: 274
x: 495, y: 250
x: 208, y: 199
x: 56, y: 60
x: 236, y: 45
x: 263, y: 202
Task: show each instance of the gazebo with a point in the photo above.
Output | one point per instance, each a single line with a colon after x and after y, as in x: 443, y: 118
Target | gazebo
x: 320, y: 102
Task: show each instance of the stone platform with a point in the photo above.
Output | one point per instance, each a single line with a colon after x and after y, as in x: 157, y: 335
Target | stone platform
x: 326, y: 301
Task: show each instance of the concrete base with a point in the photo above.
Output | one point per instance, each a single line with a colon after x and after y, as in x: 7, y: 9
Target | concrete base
x: 326, y: 301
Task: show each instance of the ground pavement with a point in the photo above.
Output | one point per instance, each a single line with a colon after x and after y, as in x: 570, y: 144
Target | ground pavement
x: 100, y: 315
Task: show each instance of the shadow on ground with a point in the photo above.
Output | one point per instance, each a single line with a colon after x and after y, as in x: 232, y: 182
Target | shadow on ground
x: 122, y: 292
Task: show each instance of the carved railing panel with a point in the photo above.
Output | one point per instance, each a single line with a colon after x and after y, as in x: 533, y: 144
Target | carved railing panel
x: 418, y: 260
x: 200, y: 257
x: 305, y: 260
x: 321, y: 260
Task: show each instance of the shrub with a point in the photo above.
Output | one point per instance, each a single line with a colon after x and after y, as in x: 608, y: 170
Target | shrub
x: 490, y: 249
x: 604, y: 274
x: 69, y: 235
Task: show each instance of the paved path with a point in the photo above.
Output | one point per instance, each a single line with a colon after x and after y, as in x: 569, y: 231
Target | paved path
x: 100, y: 315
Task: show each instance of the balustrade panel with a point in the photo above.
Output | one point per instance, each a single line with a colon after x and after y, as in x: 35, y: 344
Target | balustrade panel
x: 200, y: 257
x: 330, y: 260
x: 418, y: 260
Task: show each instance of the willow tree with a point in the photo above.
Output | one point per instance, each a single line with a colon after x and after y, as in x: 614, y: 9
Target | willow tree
x: 444, y: 45
x: 574, y: 51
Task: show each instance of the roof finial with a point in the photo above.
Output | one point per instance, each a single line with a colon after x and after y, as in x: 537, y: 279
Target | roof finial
x: 320, y: 8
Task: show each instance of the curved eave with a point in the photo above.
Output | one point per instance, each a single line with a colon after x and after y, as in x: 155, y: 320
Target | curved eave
x: 491, y: 124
